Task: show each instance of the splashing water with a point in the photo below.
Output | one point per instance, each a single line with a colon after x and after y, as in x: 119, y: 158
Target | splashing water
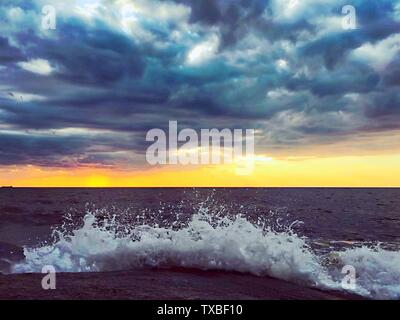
x: 378, y: 271
x: 209, y: 242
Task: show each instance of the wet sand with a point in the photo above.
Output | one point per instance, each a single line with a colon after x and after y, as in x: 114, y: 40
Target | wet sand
x: 157, y: 284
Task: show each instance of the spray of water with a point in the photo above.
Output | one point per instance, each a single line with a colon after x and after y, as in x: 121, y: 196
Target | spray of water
x: 210, y: 241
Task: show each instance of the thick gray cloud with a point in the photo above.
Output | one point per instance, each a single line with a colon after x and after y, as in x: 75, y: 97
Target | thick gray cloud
x: 391, y: 75
x: 87, y: 92
x: 8, y: 53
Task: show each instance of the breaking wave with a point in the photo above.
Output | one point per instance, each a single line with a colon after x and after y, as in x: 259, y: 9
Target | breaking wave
x: 213, y: 243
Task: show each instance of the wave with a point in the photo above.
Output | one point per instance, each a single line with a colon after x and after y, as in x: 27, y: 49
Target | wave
x: 378, y: 271
x: 213, y: 243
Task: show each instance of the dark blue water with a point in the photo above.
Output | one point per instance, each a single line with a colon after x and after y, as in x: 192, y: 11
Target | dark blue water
x: 26, y: 214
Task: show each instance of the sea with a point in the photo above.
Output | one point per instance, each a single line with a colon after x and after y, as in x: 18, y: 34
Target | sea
x: 344, y: 239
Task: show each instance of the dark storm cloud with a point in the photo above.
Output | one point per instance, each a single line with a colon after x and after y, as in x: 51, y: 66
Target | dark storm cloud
x: 207, y: 11
x: 391, y: 76
x: 234, y: 17
x: 117, y: 117
x: 289, y: 73
x: 240, y: 17
x: 91, y: 55
x: 68, y: 150
x: 334, y: 47
x: 42, y: 151
x: 8, y: 53
x: 384, y: 105
x: 371, y: 12
x: 353, y: 78
x: 375, y: 22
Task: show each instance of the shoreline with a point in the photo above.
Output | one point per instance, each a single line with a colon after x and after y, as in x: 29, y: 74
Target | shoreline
x: 161, y: 284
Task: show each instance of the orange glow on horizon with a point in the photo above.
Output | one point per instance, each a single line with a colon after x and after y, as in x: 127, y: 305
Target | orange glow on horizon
x: 357, y: 171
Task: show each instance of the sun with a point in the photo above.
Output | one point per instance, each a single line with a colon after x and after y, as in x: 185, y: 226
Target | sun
x: 97, y: 181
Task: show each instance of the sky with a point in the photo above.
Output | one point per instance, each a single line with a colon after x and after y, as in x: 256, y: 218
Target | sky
x: 77, y: 101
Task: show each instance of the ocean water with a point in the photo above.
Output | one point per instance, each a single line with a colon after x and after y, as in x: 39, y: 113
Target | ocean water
x: 300, y: 235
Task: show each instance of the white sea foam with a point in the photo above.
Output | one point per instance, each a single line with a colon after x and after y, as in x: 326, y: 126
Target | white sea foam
x: 232, y: 244
x: 378, y: 271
